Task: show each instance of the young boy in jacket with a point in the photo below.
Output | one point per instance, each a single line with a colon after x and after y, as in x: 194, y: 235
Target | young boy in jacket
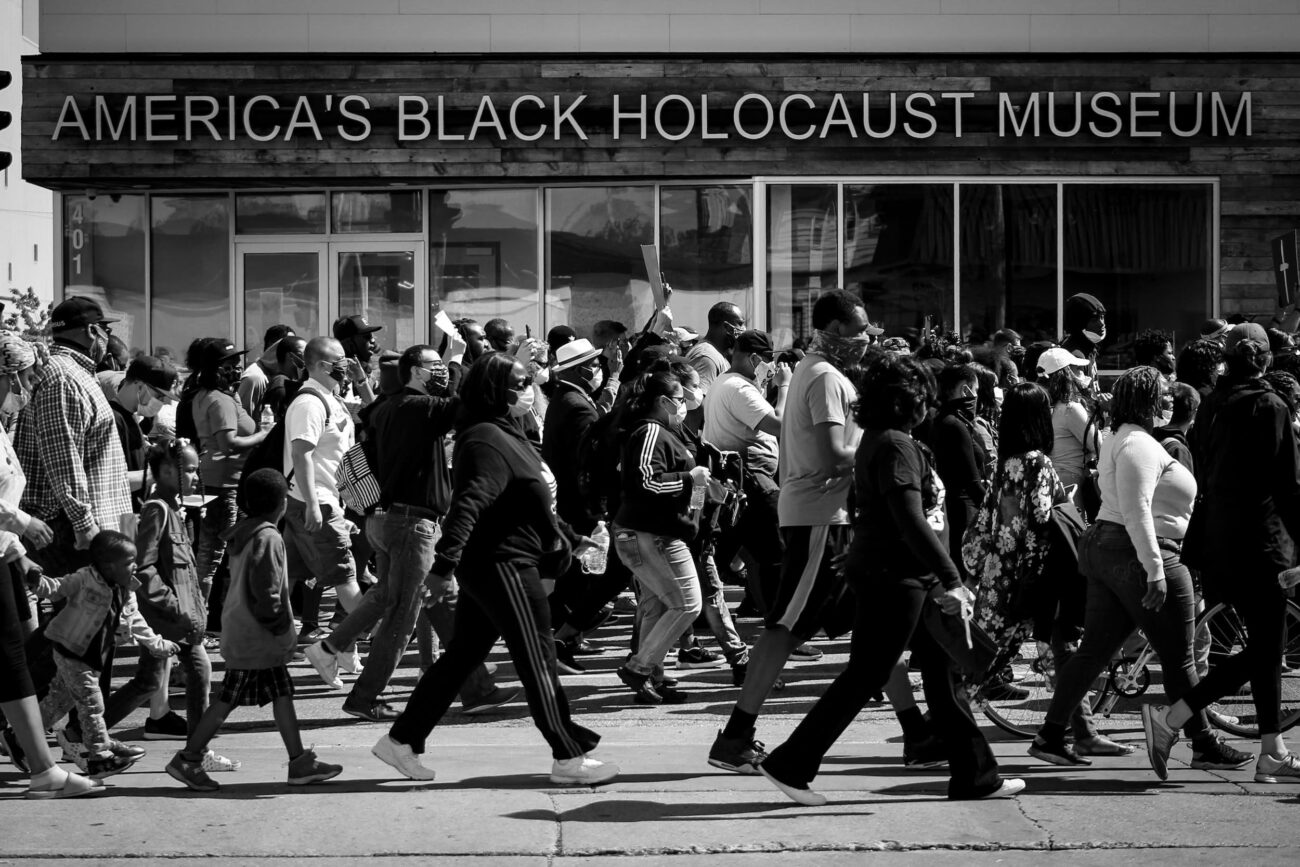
x: 257, y: 639
x: 100, y: 596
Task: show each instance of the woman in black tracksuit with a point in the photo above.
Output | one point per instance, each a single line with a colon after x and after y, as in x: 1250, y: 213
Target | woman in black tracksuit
x: 500, y: 537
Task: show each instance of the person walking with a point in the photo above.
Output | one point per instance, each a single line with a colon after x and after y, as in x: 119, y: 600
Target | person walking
x: 502, y: 538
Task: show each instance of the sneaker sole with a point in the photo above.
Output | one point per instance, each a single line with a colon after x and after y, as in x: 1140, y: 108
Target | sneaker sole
x: 102, y: 775
x: 1269, y: 778
x: 395, y: 767
x: 688, y: 666
x: 193, y: 787
x: 363, y: 715
x: 1008, y: 789
x: 1158, y: 764
x: 806, y: 797
x: 747, y: 769
x: 1220, y: 766
x: 315, y: 778
x: 582, y: 781
x: 164, y: 736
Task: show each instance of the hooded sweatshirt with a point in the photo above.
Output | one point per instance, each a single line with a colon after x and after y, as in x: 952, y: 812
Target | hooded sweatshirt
x: 257, y: 621
x: 1078, y: 312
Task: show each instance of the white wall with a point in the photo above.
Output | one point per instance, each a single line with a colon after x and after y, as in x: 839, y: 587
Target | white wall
x: 26, y: 218
x: 691, y: 26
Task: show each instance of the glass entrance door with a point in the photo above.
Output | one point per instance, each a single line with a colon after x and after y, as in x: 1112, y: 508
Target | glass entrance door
x: 378, y: 279
x: 280, y: 283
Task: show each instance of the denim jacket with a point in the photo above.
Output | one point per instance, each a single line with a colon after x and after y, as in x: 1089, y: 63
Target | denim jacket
x: 90, y: 604
x: 169, y: 596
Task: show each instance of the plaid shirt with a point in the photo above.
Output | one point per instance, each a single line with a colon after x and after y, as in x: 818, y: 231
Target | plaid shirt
x: 67, y: 444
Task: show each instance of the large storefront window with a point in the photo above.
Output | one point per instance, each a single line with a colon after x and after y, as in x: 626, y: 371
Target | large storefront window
x: 380, y: 284
x: 190, y: 253
x: 103, y: 258
x: 706, y: 248
x: 1144, y: 251
x: 280, y: 287
x: 802, y: 255
x: 483, y: 254
x: 376, y: 212
x: 1008, y: 260
x: 595, y: 270
x: 280, y: 214
x: 898, y: 253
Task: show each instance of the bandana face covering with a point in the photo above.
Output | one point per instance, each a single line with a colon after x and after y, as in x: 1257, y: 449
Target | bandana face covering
x: 841, y: 352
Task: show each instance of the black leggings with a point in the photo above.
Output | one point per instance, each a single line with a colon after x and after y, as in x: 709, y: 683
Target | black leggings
x: 1261, y: 605
x: 15, y: 677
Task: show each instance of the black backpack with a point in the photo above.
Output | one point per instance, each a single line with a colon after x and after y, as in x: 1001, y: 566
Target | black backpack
x: 599, y: 454
x: 269, y: 453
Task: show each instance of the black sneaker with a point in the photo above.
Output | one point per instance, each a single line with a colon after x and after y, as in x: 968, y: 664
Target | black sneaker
x: 126, y: 751
x: 582, y: 647
x: 565, y: 662
x: 747, y: 610
x: 738, y: 672
x: 739, y: 755
x: 99, y: 768
x: 928, y: 753
x: 1056, y: 753
x: 640, y: 685
x: 1214, y: 755
x: 169, y: 727
x: 14, y: 750
x: 375, y: 711
x: 805, y: 653
x: 699, y: 657
x: 668, y: 694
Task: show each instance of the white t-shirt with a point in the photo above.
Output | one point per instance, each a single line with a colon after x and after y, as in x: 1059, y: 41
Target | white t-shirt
x: 331, y: 435
x: 708, y: 363
x: 733, y: 410
x: 818, y: 394
x: 252, y: 388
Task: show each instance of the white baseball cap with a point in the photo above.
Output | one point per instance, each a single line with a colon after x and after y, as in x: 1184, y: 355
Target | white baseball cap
x: 1056, y: 358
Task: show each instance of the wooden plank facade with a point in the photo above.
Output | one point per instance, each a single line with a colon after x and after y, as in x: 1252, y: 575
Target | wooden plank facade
x: 1258, y: 174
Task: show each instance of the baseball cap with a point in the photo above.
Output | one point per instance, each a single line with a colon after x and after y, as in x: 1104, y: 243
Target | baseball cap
x: 558, y: 336
x: 218, y: 351
x: 275, y: 334
x: 1056, y: 358
x: 574, y: 353
x: 755, y: 341
x: 1251, y: 332
x: 1214, y: 328
x: 76, y: 310
x: 351, y: 326
x: 153, y: 372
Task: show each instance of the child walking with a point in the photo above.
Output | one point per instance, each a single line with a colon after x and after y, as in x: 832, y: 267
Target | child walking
x: 99, y: 598
x: 170, y: 600
x: 257, y: 639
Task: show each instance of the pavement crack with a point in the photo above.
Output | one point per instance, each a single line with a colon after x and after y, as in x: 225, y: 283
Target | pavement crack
x: 1020, y: 805
x: 557, y: 850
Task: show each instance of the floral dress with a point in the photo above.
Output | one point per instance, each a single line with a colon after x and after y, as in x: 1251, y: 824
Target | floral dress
x: 1007, y: 544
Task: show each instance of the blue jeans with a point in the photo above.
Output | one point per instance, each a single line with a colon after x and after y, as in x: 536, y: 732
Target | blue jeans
x: 404, y: 540
x: 664, y: 569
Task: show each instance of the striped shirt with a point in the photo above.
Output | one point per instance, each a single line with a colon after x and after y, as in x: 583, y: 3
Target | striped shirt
x: 67, y: 445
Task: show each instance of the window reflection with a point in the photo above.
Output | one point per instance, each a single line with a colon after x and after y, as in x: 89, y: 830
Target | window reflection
x: 280, y: 214
x: 376, y: 212
x: 706, y: 247
x: 1008, y: 261
x: 103, y: 258
x: 190, y: 252
x: 802, y: 256
x: 1143, y: 250
x: 483, y: 254
x: 381, y: 286
x: 280, y: 288
x: 593, y: 253
x: 898, y: 253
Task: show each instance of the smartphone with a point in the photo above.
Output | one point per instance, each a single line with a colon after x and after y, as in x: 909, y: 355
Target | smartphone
x: 528, y: 331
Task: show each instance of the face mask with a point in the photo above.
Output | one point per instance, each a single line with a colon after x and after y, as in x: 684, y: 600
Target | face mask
x: 763, y: 372
x: 998, y: 395
x: 840, y: 351
x: 592, y: 378
x: 294, y: 367
x: 679, y: 415
x: 339, y: 372
x: 98, y: 346
x: 1093, y: 336
x: 149, y: 407
x: 523, y: 404
x: 694, y: 400
x: 14, y: 401
x: 227, y: 378
x: 1165, y: 419
x: 1084, y: 380
x: 967, y: 404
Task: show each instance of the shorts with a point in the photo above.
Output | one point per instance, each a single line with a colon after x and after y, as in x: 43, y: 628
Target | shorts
x: 810, y: 587
x: 325, y: 554
x: 255, y: 687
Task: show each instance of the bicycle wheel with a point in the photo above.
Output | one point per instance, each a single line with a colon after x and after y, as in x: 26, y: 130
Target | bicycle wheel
x: 1220, y: 633
x: 1022, y: 716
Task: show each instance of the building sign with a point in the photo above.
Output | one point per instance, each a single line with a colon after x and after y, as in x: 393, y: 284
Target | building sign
x: 530, y: 117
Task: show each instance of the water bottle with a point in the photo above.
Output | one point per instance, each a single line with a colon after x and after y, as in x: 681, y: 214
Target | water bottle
x: 268, y: 417
x: 594, y: 559
x: 697, y: 496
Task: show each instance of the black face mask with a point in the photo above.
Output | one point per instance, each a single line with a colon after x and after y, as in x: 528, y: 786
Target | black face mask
x: 965, y: 404
x: 227, y: 378
x: 339, y: 372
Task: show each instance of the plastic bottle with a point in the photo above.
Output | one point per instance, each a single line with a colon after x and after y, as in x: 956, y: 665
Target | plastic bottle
x: 595, y: 559
x: 697, y: 497
x: 268, y: 417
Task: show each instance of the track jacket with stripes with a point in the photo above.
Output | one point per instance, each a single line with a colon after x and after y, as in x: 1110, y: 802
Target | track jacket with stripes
x: 657, y: 468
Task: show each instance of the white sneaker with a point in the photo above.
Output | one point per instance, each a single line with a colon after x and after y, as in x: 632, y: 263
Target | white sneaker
x: 401, y: 758
x: 1009, y: 789
x: 582, y: 771
x: 213, y: 763
x: 1274, y: 770
x: 325, y: 663
x: 349, y: 661
x: 805, y: 796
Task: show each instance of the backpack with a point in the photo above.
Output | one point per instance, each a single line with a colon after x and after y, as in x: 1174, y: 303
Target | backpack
x: 269, y: 453
x: 599, y: 454
x: 186, y: 429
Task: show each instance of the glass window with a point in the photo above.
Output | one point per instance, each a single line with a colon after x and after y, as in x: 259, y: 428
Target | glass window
x: 802, y: 256
x: 103, y: 258
x: 1144, y: 251
x: 1008, y: 261
x: 706, y: 249
x: 190, y: 252
x: 593, y: 252
x: 279, y: 287
x: 377, y: 212
x: 898, y: 253
x: 280, y: 214
x: 381, y: 286
x: 483, y: 255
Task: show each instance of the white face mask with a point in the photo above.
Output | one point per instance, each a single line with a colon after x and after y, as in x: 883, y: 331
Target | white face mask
x: 694, y: 400
x: 524, y: 405
x: 763, y: 372
x: 14, y: 402
x: 680, y: 416
x: 149, y: 407
x: 998, y: 395
x: 1094, y: 336
x: 1165, y: 419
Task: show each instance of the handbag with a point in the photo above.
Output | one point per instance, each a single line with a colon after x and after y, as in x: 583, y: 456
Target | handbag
x: 358, y: 488
x: 949, y: 633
